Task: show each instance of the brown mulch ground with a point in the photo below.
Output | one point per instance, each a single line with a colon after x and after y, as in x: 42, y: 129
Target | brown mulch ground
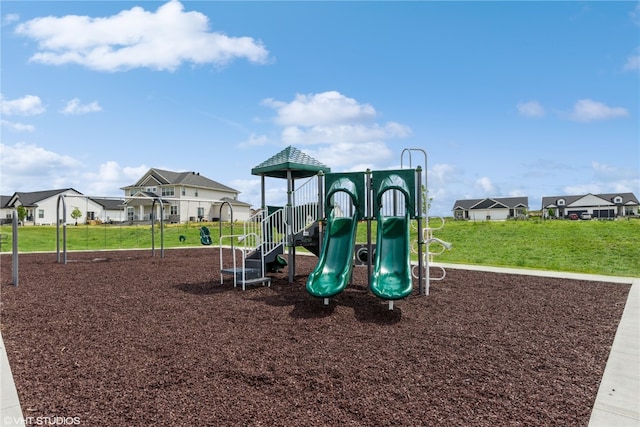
x: 127, y: 339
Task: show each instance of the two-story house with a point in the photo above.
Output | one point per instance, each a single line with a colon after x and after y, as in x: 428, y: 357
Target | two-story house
x: 184, y: 196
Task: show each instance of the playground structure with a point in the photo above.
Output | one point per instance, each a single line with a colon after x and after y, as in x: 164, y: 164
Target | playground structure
x: 326, y: 222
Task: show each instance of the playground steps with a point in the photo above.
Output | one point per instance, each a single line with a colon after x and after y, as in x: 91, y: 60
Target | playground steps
x: 252, y: 276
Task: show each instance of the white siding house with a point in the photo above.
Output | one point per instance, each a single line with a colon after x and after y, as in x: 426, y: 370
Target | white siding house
x: 184, y: 196
x: 491, y: 208
x: 610, y: 205
x: 6, y: 213
x: 43, y: 207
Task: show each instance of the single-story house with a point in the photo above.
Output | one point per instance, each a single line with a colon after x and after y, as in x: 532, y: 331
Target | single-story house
x: 184, y: 196
x: 491, y: 208
x: 609, y: 205
x: 6, y: 213
x: 43, y: 207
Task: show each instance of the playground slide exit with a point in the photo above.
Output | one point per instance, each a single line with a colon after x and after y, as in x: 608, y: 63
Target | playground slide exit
x: 391, y: 279
x: 332, y: 274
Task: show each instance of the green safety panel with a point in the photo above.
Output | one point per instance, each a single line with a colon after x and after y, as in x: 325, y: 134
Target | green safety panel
x: 391, y: 279
x: 351, y: 183
x: 333, y: 272
x: 403, y: 180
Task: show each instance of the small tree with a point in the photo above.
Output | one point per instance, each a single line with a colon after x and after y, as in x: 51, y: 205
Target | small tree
x: 22, y: 213
x: 426, y: 200
x: 76, y: 214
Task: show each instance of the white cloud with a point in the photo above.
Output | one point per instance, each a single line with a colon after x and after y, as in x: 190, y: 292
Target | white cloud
x: 28, y: 105
x: 602, y: 168
x: 254, y: 141
x: 635, y: 14
x: 593, y: 188
x: 586, y: 110
x: 10, y: 18
x: 352, y: 157
x: 110, y: 177
x: 74, y: 107
x: 25, y: 167
x: 607, y: 179
x: 327, y: 108
x: 440, y: 174
x: 633, y: 61
x: 485, y: 185
x: 354, y: 133
x: 342, y: 130
x: 531, y: 109
x: 251, y: 190
x: 17, y: 127
x: 518, y: 193
x: 135, y: 38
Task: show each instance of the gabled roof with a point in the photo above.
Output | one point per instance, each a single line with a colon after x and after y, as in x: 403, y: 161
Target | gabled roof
x: 627, y: 198
x: 109, y: 204
x: 32, y: 198
x: 144, y: 198
x: 492, y: 203
x: 4, y: 200
x: 234, y: 201
x: 291, y: 159
x: 489, y: 204
x: 190, y: 179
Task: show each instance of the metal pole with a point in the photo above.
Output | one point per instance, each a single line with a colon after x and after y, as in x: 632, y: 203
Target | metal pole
x: 420, y: 237
x: 14, y: 257
x: 161, y: 229
x: 153, y: 238
x: 61, y: 198
x: 320, y: 214
x: 369, y: 216
x: 289, y: 225
x: 153, y: 221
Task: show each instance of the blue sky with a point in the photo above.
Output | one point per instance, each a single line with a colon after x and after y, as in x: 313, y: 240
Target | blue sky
x: 507, y: 98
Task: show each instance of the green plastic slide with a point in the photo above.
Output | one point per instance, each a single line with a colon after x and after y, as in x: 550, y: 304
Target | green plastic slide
x: 391, y: 279
x: 335, y: 264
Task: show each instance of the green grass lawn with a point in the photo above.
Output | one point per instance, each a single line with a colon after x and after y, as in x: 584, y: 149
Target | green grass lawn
x: 598, y: 247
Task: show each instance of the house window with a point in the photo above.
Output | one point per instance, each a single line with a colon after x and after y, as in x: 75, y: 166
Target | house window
x: 132, y: 192
x: 130, y: 214
x: 617, y: 199
x: 91, y: 216
x: 560, y: 202
x: 196, y: 193
x: 173, y: 210
x: 200, y: 214
x: 184, y: 191
x: 41, y: 213
x: 151, y: 190
x: 168, y: 191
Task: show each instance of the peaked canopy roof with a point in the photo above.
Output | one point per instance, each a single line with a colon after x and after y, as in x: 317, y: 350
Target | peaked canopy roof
x: 291, y: 159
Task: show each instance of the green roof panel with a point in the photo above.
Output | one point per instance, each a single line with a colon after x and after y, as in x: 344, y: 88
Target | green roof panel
x: 291, y: 159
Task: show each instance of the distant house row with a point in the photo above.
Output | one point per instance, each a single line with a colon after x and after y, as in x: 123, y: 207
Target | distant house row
x: 184, y: 196
x: 609, y: 206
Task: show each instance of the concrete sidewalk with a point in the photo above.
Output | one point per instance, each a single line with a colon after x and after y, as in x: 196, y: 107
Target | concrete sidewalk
x: 10, y: 411
x: 617, y: 399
